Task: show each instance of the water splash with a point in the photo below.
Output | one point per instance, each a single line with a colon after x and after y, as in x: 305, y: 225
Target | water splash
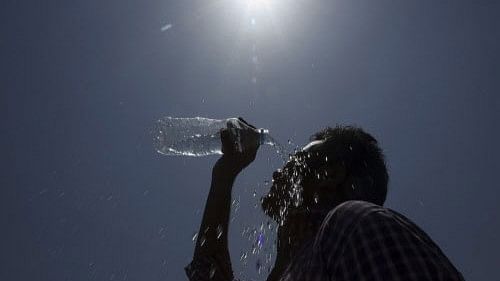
x: 220, y: 231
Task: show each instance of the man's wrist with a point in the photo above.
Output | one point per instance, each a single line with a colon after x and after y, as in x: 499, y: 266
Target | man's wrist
x: 227, y: 167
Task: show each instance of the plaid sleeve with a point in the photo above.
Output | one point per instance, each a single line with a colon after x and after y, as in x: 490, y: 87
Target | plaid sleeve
x: 375, y: 243
x: 209, y: 267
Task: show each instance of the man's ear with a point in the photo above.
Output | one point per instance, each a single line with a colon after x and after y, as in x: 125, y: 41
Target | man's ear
x: 337, y: 186
x: 334, y: 176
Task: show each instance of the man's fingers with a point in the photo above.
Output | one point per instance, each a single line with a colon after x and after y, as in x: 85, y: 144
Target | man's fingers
x: 240, y: 138
x: 229, y: 145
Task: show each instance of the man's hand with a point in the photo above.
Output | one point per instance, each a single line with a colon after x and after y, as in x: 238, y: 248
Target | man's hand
x: 240, y: 142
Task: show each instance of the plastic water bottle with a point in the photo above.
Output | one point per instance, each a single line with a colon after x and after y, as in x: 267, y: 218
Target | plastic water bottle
x: 196, y: 136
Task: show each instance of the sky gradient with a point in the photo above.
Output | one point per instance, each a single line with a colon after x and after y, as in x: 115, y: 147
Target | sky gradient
x: 85, y: 197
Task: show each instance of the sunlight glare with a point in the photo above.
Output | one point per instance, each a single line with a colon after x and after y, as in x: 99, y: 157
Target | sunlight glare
x: 255, y: 5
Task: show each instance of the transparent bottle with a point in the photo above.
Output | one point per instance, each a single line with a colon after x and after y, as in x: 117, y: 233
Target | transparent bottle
x: 196, y: 136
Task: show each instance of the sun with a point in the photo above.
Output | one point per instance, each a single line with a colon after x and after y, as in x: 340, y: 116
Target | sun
x: 259, y: 2
x: 255, y: 5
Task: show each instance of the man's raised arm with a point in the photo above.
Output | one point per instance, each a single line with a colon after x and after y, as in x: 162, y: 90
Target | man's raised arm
x: 211, y: 260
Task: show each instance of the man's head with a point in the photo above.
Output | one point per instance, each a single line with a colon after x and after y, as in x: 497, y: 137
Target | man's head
x: 339, y: 164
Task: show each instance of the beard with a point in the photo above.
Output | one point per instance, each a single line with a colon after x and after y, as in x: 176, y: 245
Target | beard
x: 272, y: 203
x: 287, y: 191
x: 282, y: 198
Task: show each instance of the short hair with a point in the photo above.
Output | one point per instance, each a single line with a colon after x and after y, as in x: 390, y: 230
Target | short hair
x: 362, y: 158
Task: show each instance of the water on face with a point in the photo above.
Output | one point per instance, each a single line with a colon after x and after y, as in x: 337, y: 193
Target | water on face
x: 261, y: 237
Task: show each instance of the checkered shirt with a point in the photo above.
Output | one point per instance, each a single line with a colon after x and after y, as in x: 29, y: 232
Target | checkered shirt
x: 356, y: 241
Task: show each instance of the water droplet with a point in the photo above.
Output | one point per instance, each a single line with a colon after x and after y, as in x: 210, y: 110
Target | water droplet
x: 353, y: 187
x: 243, y: 256
x: 254, y: 250
x: 195, y: 235
x: 212, y: 272
x: 350, y: 147
x: 316, y: 198
x: 269, y: 257
x: 260, y: 240
x: 258, y: 266
x: 219, y: 231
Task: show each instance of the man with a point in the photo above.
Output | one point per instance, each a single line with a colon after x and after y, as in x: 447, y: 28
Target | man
x: 327, y: 201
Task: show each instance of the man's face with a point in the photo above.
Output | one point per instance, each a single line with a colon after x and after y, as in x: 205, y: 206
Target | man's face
x: 294, y: 185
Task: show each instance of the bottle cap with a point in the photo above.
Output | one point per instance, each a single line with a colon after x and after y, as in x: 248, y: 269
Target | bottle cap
x: 263, y: 133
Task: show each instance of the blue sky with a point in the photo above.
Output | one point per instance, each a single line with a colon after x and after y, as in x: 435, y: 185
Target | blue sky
x: 85, y: 197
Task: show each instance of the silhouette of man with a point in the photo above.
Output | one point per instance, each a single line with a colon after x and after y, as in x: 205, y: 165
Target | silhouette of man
x: 327, y: 201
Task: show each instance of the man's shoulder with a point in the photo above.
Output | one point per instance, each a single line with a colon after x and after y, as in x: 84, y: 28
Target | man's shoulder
x: 367, y: 233
x: 355, y: 214
x: 351, y: 211
x: 343, y: 219
x: 356, y: 206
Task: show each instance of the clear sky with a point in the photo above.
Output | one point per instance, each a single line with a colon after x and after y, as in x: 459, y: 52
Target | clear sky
x: 85, y: 197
